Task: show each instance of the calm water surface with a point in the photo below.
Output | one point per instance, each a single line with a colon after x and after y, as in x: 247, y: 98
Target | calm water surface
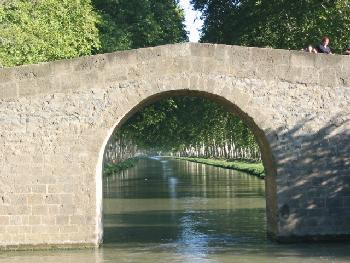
x: 174, y: 211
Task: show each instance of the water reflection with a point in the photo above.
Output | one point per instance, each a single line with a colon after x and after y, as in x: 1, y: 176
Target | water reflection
x: 175, y: 211
x: 197, y: 213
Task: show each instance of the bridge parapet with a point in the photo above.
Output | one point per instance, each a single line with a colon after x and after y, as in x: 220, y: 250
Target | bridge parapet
x: 241, y: 62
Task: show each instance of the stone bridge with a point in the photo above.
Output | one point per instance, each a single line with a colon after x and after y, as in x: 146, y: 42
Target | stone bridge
x: 56, y: 119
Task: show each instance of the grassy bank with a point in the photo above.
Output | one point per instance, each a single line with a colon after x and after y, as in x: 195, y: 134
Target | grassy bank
x: 112, y: 168
x: 256, y: 169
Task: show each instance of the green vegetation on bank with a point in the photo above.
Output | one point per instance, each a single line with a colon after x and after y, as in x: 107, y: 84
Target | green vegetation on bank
x: 112, y: 168
x: 256, y: 169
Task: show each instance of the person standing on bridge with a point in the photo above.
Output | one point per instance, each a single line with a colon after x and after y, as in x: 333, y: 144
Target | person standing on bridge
x: 347, y: 49
x: 310, y: 49
x: 323, y: 47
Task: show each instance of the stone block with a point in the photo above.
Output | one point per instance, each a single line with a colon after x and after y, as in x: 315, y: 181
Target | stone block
x: 68, y: 229
x: 68, y: 82
x: 128, y: 57
x: 77, y: 220
x: 31, y: 72
x: 27, y: 88
x: 52, y: 199
x: 54, y: 209
x: 90, y: 63
x: 18, y: 220
x: 39, y: 210
x: 239, y: 55
x: 48, y: 219
x: 221, y: 53
x: 47, y: 85
x: 4, y: 220
x: 34, y: 220
x: 323, y: 61
x: 328, y: 77
x: 302, y: 60
x: 202, y: 50
x: 263, y: 56
x: 38, y: 188
x: 60, y: 188
x: 143, y: 55
x: 67, y: 199
x: 8, y: 90
x: 61, y: 67
x: 6, y: 75
x: 62, y: 220
x: 310, y: 76
x: 35, y: 199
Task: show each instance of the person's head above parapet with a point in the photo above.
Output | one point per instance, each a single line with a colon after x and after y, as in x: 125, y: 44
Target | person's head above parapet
x: 325, y: 41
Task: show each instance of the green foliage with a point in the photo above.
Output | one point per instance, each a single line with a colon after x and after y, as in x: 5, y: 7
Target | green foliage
x: 44, y: 30
x: 256, y: 169
x: 177, y: 122
x: 275, y: 23
x: 129, y: 24
x: 113, y: 168
x: 37, y: 31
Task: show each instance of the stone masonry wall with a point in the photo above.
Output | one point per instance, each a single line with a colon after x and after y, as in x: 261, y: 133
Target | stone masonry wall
x: 56, y: 118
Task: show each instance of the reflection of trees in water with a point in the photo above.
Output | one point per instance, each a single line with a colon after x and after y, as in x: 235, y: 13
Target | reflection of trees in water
x: 213, y: 206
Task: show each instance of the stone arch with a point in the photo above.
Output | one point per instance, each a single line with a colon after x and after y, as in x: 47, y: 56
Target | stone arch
x: 251, y: 118
x: 55, y: 119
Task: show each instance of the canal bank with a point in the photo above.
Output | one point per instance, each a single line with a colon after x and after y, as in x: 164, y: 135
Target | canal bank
x: 253, y: 168
x: 113, y: 168
x: 249, y: 167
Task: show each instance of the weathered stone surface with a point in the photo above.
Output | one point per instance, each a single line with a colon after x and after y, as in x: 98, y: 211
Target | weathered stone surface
x: 56, y: 118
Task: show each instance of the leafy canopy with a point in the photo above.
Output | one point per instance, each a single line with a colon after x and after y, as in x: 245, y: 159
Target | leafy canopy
x: 37, y: 31
x: 45, y: 30
x: 130, y: 24
x: 275, y: 23
x: 178, y: 122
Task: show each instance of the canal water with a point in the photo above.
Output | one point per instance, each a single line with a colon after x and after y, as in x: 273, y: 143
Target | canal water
x: 165, y: 210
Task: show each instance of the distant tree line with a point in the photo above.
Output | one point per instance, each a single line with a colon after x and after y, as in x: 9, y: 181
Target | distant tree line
x: 191, y: 127
x: 120, y: 148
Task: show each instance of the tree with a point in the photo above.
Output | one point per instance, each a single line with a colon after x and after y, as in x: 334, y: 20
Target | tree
x: 189, y: 125
x: 129, y: 24
x: 37, y: 31
x: 275, y: 23
x: 45, y: 30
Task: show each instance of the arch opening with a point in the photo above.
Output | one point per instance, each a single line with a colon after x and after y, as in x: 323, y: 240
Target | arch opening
x: 230, y: 106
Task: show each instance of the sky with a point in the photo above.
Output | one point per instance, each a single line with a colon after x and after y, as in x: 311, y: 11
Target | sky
x: 193, y: 22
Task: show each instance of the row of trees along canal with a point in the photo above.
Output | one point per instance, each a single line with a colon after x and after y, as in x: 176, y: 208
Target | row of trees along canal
x: 183, y: 127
